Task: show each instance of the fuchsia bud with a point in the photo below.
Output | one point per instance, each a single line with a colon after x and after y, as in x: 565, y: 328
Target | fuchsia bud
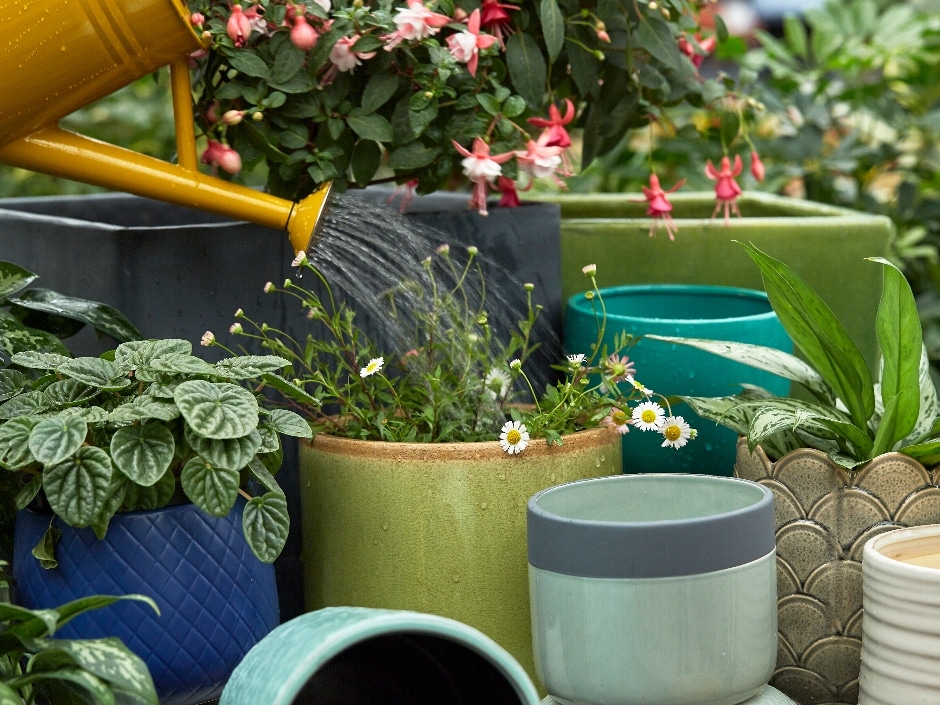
x: 197, y: 19
x: 229, y: 160
x: 233, y: 117
x: 757, y: 167
x: 238, y: 27
x: 302, y: 35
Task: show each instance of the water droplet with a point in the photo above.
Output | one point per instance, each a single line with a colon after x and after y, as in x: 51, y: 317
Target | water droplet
x: 709, y: 447
x: 603, y: 458
x: 597, y: 463
x: 385, y: 526
x: 456, y: 578
x: 483, y: 505
x: 552, y: 477
x: 375, y: 542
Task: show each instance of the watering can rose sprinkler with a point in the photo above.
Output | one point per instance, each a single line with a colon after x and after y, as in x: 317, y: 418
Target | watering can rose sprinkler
x: 62, y: 56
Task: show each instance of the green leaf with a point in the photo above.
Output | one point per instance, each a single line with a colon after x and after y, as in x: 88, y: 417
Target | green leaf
x: 819, y: 335
x: 13, y: 278
x: 217, y: 409
x: 96, y: 372
x: 365, y: 161
x: 143, y: 408
x: 8, y: 696
x: 553, y: 27
x: 901, y: 341
x: 69, y: 393
x: 14, y: 442
x: 15, y: 337
x: 249, y: 64
x: 24, y: 404
x: 291, y: 391
x: 77, y: 487
x: 103, y: 318
x: 212, y: 489
x: 266, y: 524
x: 141, y: 353
x: 34, y: 360
x: 287, y: 63
x: 289, y: 423
x: 143, y: 452
x: 111, y: 661
x: 44, y: 551
x: 249, y: 366
x: 157, y: 495
x: 412, y: 156
x: 527, y: 68
x: 182, y: 365
x: 55, y: 439
x: 229, y: 453
x: 371, y: 126
x: 489, y: 103
x: 264, y: 476
x: 378, y: 91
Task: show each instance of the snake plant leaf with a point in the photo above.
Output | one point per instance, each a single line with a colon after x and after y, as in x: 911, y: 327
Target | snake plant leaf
x: 217, y: 409
x: 249, y: 366
x: 901, y: 341
x: 212, y: 489
x: 103, y: 318
x: 96, y: 372
x: 55, y: 439
x: 77, y: 487
x: 772, y: 360
x: 289, y: 423
x: 143, y: 452
x: 35, y: 360
x: 25, y: 404
x: 819, y: 335
x: 266, y: 524
x: 14, y: 442
x: 228, y: 453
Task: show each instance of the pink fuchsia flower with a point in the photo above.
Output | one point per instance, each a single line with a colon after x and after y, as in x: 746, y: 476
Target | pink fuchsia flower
x: 302, y: 35
x: 406, y: 192
x: 540, y: 160
x: 197, y: 20
x: 465, y: 46
x: 509, y: 197
x: 698, y: 49
x: 238, y: 27
x: 659, y: 208
x: 222, y: 156
x: 726, y: 188
x: 255, y: 15
x: 415, y: 22
x: 495, y: 19
x: 344, y: 58
x: 555, y: 124
x: 482, y: 168
x: 757, y: 167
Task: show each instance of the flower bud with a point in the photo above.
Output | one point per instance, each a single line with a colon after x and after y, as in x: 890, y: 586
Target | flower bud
x: 229, y: 160
x: 207, y: 339
x: 233, y: 117
x: 257, y: 116
x: 757, y: 166
x: 529, y: 286
x: 589, y: 270
x: 473, y: 251
x: 302, y: 35
x: 197, y: 19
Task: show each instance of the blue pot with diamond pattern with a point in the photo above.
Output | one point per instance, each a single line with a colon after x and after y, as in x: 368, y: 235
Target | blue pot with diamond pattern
x: 216, y: 599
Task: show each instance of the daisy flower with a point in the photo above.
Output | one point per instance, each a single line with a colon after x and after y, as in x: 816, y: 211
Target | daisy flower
x: 514, y: 437
x: 497, y: 383
x: 576, y: 360
x: 676, y: 432
x: 375, y: 365
x: 620, y: 369
x: 618, y: 420
x: 648, y: 416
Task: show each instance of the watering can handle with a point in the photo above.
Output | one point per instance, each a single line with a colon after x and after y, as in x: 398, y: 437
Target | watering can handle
x: 183, y: 119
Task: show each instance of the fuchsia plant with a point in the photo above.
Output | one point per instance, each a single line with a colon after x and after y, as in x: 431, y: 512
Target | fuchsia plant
x: 429, y: 95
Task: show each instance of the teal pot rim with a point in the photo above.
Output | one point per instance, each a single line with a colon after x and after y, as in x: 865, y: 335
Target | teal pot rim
x: 580, y: 304
x: 885, y: 550
x: 282, y: 663
x: 568, y: 542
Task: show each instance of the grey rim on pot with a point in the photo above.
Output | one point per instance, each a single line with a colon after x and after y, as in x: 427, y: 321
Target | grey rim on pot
x: 632, y: 526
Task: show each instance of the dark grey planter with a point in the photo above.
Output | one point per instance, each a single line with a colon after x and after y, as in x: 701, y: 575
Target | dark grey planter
x: 177, y: 272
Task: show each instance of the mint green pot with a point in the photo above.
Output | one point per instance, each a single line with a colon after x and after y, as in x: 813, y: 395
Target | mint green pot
x: 825, y: 244
x: 653, y: 590
x: 360, y: 656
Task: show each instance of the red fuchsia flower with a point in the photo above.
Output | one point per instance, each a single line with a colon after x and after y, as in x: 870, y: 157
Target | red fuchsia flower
x: 495, y: 19
x: 540, y: 160
x: 465, y: 46
x: 406, y: 192
x: 726, y: 188
x: 509, y: 197
x: 415, y: 22
x: 239, y: 26
x: 555, y: 127
x: 302, y: 35
x: 659, y: 208
x: 222, y: 156
x: 482, y: 168
x: 757, y: 167
x: 697, y: 50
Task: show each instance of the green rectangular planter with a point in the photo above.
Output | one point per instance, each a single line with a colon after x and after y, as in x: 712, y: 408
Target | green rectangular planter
x: 827, y: 245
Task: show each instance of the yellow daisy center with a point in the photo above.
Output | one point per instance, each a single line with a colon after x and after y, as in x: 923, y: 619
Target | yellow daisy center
x: 648, y: 416
x: 513, y: 437
x: 672, y: 433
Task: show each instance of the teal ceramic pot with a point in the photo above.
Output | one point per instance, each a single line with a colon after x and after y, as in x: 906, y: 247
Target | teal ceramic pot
x: 691, y: 311
x: 653, y: 589
x: 366, y: 656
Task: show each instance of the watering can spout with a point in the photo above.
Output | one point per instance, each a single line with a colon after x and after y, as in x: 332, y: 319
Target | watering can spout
x: 98, y: 48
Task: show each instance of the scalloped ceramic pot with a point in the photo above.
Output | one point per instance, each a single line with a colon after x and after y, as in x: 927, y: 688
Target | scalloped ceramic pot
x: 824, y: 516
x: 216, y: 599
x: 434, y: 527
x: 655, y: 589
x: 359, y: 656
x: 901, y: 595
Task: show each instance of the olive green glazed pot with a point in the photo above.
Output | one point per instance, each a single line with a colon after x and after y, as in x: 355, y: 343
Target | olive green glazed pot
x: 434, y: 527
x: 825, y: 244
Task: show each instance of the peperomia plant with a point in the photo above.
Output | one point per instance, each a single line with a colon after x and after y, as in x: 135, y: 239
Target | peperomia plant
x: 35, y: 667
x: 146, y: 425
x: 848, y: 415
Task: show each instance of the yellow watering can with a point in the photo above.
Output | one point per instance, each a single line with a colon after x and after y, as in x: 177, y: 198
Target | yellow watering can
x: 60, y: 55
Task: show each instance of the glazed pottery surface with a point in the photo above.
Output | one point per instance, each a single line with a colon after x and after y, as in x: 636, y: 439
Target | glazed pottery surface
x: 824, y: 517
x: 361, y: 656
x: 434, y: 527
x: 216, y: 599
x: 690, y: 311
x: 653, y: 590
x: 767, y: 696
x: 901, y: 635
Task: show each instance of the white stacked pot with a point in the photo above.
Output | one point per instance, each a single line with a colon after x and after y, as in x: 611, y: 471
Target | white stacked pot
x: 901, y: 625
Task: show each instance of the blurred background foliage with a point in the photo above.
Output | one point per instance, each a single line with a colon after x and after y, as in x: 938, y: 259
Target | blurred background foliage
x: 842, y: 103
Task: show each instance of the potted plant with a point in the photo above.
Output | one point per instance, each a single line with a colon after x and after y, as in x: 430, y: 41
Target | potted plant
x: 133, y: 471
x: 414, y: 486
x: 846, y: 457
x: 37, y: 666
